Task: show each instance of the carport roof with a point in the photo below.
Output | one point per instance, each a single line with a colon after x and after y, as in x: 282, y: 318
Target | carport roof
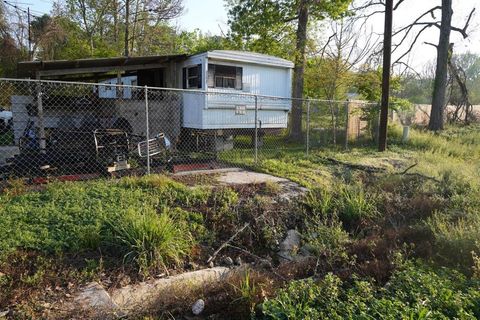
x: 56, y: 68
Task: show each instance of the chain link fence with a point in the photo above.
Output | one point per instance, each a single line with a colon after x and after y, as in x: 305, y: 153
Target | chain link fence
x: 69, y: 129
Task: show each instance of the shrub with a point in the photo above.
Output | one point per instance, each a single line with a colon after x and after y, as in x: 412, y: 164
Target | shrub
x: 326, y: 239
x: 414, y: 292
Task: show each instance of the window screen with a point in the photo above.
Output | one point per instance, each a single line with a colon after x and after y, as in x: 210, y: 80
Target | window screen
x: 220, y: 76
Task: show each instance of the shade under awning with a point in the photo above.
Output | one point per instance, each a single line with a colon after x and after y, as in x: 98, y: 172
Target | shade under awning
x: 36, y: 69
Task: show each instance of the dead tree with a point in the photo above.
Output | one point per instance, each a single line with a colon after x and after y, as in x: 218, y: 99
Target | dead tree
x: 441, y: 72
x: 461, y: 99
x: 348, y: 45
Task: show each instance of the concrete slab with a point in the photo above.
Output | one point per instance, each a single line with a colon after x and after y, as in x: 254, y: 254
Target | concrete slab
x: 238, y: 176
x: 248, y: 177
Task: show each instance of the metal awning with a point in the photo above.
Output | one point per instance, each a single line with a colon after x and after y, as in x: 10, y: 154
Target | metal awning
x: 58, y: 68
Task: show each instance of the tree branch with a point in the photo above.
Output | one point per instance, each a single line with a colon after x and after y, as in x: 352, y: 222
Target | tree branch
x: 463, y: 31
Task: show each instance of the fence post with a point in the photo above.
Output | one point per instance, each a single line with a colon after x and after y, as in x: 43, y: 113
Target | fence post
x: 147, y: 127
x: 256, y: 129
x: 308, y: 127
x: 347, y: 110
x: 41, y: 119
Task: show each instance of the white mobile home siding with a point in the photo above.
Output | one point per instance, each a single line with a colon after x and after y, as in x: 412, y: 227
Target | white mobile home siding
x: 223, y: 108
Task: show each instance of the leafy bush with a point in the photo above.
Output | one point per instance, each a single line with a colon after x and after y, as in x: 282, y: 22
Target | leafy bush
x: 415, y: 291
x: 326, y: 238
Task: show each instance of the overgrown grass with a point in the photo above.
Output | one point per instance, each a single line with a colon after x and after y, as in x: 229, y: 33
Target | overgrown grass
x: 434, y: 205
x: 139, y: 218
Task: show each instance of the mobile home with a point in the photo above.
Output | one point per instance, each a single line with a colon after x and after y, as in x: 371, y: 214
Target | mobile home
x: 211, y: 94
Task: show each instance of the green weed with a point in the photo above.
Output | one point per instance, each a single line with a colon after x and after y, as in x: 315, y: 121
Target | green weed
x: 415, y: 291
x: 137, y: 216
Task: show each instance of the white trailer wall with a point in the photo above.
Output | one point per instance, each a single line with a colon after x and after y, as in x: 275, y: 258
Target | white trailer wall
x: 226, y: 109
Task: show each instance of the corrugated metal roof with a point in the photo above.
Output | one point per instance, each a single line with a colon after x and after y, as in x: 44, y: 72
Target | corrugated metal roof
x: 52, y: 68
x: 29, y: 68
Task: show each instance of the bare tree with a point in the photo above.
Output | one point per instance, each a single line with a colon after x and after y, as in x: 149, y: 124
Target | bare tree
x: 347, y: 46
x: 148, y: 13
x: 422, y: 23
x: 459, y: 95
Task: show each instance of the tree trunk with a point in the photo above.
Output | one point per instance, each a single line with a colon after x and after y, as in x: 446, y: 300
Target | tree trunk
x: 127, y: 13
x: 115, y: 21
x: 134, y: 28
x: 441, y: 72
x: 299, y: 70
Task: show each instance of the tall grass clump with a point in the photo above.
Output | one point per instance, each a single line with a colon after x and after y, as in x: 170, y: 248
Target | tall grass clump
x: 147, y: 238
x: 355, y: 205
x: 320, y: 202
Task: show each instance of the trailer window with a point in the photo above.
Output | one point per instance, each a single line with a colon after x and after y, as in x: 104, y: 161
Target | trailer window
x: 192, y: 77
x: 220, y: 76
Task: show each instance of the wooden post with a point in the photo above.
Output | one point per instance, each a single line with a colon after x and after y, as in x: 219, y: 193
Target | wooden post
x: 387, y: 61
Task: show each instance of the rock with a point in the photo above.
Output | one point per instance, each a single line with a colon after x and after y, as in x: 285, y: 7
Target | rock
x: 238, y: 261
x: 289, y: 247
x: 4, y: 313
x: 211, y: 264
x: 228, y: 261
x: 94, y: 296
x: 148, y: 295
x: 198, y: 307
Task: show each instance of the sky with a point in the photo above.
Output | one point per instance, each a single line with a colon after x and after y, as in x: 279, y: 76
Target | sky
x: 210, y: 16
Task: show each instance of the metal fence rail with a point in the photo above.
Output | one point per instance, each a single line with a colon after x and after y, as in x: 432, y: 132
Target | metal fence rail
x: 71, y: 128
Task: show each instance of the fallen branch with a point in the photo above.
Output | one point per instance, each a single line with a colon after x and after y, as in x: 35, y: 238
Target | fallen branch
x: 416, y: 174
x: 214, y: 255
x: 408, y: 169
x: 266, y: 261
x: 248, y: 253
x: 419, y: 175
x: 354, y: 165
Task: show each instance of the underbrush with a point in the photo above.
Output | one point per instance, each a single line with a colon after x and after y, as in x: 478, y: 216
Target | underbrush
x: 423, y: 199
x: 420, y: 198
x: 415, y: 291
